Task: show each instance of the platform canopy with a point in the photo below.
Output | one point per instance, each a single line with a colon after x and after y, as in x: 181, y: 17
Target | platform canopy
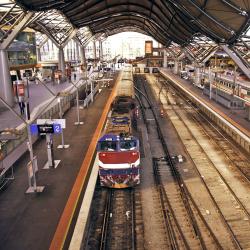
x: 166, y: 20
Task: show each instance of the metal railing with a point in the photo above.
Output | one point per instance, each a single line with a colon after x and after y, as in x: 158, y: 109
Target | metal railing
x: 6, y: 147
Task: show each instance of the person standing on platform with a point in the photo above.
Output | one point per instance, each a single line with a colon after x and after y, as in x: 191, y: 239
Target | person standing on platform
x: 21, y: 104
x: 74, y: 76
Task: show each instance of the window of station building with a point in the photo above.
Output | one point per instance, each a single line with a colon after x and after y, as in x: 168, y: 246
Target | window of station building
x: 23, y: 49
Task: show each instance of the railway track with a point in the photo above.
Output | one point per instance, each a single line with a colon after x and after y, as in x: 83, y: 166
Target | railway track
x: 118, y: 231
x: 226, y: 145
x: 112, y: 223
x: 182, y: 220
x: 234, y: 213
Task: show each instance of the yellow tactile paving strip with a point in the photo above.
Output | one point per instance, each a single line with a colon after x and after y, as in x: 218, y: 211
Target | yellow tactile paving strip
x: 81, y: 179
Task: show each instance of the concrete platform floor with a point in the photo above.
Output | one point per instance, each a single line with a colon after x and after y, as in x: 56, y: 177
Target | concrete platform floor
x: 29, y: 221
x: 9, y: 120
x: 239, y: 116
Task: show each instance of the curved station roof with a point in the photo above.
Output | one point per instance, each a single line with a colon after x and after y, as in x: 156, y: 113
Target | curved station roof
x: 166, y: 20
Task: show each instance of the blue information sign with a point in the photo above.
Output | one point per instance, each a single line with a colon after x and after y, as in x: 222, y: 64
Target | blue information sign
x: 57, y: 128
x: 33, y: 129
x: 45, y: 129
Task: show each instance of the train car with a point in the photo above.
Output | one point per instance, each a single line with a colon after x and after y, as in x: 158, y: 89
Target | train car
x: 118, y: 148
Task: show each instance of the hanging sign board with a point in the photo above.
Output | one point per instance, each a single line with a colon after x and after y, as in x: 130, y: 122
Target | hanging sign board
x: 148, y: 47
x: 44, y: 129
x: 62, y: 122
x: 58, y: 74
x: 19, y: 88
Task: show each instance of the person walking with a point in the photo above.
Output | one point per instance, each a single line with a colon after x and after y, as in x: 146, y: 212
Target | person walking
x: 21, y: 104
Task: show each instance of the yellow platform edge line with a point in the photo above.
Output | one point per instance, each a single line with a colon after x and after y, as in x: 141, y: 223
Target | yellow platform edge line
x: 68, y: 212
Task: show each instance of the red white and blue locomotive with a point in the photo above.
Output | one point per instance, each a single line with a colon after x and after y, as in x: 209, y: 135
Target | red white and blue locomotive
x: 118, y: 148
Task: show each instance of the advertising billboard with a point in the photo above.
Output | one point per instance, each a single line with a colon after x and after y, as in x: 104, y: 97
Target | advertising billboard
x: 148, y: 47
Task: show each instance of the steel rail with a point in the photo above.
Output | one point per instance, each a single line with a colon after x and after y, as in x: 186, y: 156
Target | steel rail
x: 225, y: 182
x: 66, y: 219
x: 235, y: 240
x: 133, y: 224
x: 212, y: 127
x: 168, y: 225
x: 109, y: 232
x: 221, y: 176
x: 105, y: 223
x: 177, y: 177
x: 169, y: 228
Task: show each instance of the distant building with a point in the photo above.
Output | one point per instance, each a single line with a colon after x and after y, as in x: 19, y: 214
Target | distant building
x: 22, y: 51
x: 129, y: 45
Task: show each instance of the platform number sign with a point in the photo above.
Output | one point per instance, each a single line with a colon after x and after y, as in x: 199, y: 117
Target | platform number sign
x: 57, y: 129
x: 43, y: 129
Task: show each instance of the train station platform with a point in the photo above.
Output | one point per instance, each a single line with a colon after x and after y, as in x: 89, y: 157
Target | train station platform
x: 9, y: 120
x: 237, y: 117
x: 29, y: 221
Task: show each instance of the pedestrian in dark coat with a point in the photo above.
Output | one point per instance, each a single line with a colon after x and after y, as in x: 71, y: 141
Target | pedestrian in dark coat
x: 21, y: 104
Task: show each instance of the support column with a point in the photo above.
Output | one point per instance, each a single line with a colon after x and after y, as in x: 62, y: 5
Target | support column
x: 197, y: 79
x: 91, y: 91
x: 77, y: 52
x: 5, y: 81
x: 38, y: 54
x: 61, y: 61
x: 181, y: 65
x: 100, y: 51
x: 159, y: 51
x: 165, y: 59
x: 83, y: 56
x: 94, y: 50
x: 74, y: 50
x: 210, y: 77
x: 176, y: 67
x: 68, y: 56
x: 248, y: 112
x: 83, y: 61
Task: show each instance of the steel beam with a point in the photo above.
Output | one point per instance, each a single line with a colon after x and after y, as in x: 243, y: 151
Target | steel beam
x: 43, y: 43
x: 72, y: 34
x: 8, y: 40
x: 188, y: 55
x: 49, y: 35
x: 61, y: 61
x: 171, y: 52
x: 5, y: 81
x: 207, y: 57
x: 236, y: 59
